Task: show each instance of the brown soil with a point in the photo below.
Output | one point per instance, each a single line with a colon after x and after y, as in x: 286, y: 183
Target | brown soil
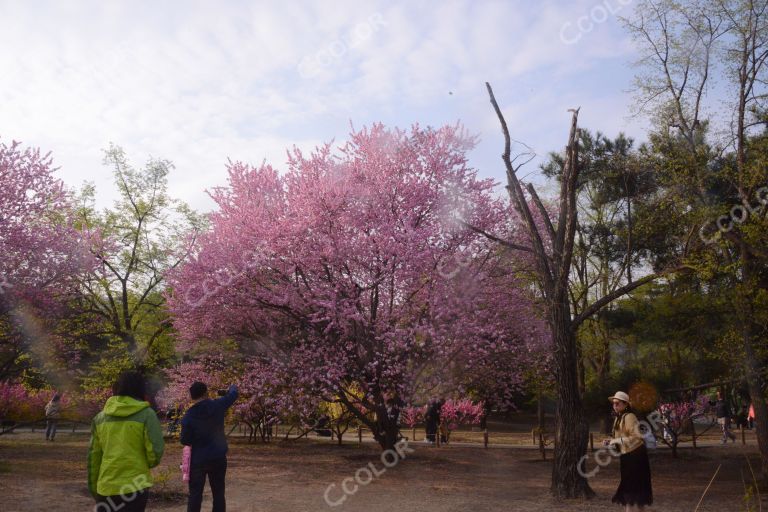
x: 293, y: 477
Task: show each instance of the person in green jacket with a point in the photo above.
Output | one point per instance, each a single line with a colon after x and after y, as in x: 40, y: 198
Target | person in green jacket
x: 126, y: 441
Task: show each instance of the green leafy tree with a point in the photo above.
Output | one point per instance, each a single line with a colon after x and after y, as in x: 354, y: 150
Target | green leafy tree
x: 144, y: 235
x: 685, y: 44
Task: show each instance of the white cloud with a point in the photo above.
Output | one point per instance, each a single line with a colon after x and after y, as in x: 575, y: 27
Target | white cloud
x: 197, y: 82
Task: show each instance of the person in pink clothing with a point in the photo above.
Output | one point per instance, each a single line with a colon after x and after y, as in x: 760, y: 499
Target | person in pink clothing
x: 186, y: 461
x: 751, y: 416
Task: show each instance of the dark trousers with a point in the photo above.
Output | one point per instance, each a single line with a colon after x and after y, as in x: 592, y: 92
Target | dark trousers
x: 136, y: 502
x: 216, y: 471
x: 431, y: 429
x: 50, y: 429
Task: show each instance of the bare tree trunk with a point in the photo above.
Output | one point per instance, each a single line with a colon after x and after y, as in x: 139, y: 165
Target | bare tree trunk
x: 581, y: 369
x: 571, y: 427
x: 384, y: 429
x: 553, y: 267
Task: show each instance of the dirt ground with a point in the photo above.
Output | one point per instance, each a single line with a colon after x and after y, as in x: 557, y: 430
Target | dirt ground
x: 293, y: 477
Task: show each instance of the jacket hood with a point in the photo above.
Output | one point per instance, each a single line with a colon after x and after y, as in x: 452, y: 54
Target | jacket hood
x: 124, y: 406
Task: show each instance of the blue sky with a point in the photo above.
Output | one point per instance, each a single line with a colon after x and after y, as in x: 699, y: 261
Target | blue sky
x: 200, y: 82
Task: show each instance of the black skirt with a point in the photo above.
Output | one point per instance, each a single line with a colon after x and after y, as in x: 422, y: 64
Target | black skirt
x: 635, y: 486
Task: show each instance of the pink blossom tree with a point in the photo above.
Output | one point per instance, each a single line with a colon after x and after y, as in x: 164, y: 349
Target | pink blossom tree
x: 214, y: 370
x: 676, y: 419
x: 412, y: 415
x: 270, y: 396
x: 454, y: 413
x: 21, y: 405
x: 42, y: 253
x: 269, y: 392
x: 346, y: 265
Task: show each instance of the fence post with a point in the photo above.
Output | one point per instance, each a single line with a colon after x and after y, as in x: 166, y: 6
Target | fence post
x: 485, y: 438
x: 533, y: 436
x: 693, y: 432
x: 359, y: 434
x: 439, y: 434
x: 414, y: 434
x: 541, y: 446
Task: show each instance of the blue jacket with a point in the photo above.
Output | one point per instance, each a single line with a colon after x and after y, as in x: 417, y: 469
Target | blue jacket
x: 202, y: 428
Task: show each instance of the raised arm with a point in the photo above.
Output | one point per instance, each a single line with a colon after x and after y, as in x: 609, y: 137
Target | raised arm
x: 227, y: 400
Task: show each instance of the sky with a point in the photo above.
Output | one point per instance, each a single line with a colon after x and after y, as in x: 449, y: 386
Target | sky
x: 199, y: 83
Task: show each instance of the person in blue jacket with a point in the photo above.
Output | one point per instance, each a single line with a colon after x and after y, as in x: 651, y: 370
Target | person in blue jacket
x: 202, y: 428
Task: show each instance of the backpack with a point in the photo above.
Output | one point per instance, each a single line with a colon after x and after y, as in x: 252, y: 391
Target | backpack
x: 649, y: 438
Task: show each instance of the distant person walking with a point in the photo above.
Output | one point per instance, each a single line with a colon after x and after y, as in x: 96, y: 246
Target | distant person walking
x: 52, y: 414
x: 202, y: 428
x: 432, y: 420
x: 126, y: 441
x: 393, y: 413
x: 634, y: 490
x: 723, y: 413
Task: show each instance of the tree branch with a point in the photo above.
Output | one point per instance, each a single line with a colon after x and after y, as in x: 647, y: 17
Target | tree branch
x: 494, y: 238
x: 607, y: 299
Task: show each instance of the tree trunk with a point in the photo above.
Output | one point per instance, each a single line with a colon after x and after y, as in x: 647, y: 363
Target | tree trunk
x: 582, y: 370
x: 540, y: 411
x: 571, y: 427
x: 388, y: 438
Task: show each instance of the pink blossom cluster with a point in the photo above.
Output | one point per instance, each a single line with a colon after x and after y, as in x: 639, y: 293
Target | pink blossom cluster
x: 213, y: 370
x: 369, y: 276
x: 17, y: 403
x: 269, y: 392
x: 270, y: 396
x: 21, y: 404
x: 38, y: 241
x: 43, y: 253
x: 461, y: 412
x: 677, y: 415
x: 412, y: 415
x: 453, y: 413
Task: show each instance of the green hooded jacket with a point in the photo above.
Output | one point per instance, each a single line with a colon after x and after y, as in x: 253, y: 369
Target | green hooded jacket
x: 126, y: 440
